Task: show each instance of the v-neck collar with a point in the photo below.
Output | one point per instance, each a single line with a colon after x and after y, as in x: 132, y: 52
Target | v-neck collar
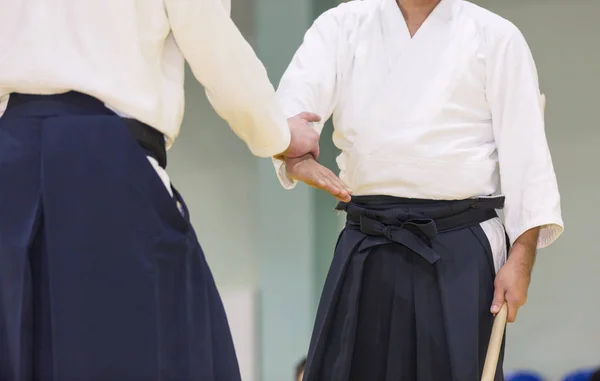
x: 395, y: 23
x: 396, y: 35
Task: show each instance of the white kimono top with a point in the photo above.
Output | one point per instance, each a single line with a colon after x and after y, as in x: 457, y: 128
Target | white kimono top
x: 452, y: 113
x: 130, y: 54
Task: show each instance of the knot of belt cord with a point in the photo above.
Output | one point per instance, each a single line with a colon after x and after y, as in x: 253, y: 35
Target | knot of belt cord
x: 415, y: 234
x: 422, y: 227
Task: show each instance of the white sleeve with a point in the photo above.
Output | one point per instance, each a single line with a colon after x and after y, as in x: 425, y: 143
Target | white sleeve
x: 309, y: 83
x: 526, y: 172
x: 235, y: 80
x: 227, y: 6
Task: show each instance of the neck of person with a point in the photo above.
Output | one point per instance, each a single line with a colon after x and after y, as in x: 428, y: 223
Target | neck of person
x: 417, y: 8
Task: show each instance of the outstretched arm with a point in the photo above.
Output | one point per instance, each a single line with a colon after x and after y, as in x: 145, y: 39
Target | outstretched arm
x: 236, y: 81
x: 310, y: 83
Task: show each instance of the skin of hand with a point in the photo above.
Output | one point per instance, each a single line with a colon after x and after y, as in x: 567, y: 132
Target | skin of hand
x: 304, y: 139
x: 512, y: 281
x: 309, y: 171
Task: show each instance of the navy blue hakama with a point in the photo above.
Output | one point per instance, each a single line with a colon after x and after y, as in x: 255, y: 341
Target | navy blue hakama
x: 102, y: 277
x: 408, y: 294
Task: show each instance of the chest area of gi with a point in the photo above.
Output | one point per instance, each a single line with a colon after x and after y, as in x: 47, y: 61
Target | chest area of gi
x: 426, y: 88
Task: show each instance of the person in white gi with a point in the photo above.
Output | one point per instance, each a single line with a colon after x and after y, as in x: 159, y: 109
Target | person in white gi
x: 438, y: 114
x: 101, y: 275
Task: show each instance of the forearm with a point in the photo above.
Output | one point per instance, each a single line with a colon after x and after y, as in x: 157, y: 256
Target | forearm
x: 236, y: 82
x: 524, y: 249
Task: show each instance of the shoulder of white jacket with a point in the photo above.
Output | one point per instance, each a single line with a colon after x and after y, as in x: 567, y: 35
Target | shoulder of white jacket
x: 490, y: 22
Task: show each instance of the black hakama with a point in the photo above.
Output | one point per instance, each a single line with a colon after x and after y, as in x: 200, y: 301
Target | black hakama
x: 408, y: 293
x: 101, y: 275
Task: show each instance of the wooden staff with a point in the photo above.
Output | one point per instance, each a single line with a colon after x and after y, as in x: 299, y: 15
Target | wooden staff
x: 493, y: 352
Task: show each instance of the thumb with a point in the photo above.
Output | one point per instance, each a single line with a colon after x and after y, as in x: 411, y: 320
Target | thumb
x: 309, y: 117
x: 499, y: 299
x: 315, y: 152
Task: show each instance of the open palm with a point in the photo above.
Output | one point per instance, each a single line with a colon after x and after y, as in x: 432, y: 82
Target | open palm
x: 309, y: 171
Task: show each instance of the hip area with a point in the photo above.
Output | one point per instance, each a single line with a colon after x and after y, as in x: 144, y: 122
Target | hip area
x: 437, y: 224
x: 395, y: 208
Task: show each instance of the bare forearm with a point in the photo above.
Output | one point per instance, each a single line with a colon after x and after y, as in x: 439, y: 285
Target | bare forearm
x: 524, y: 249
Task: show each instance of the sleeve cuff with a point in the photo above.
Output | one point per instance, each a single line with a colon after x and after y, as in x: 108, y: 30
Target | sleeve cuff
x: 271, y: 150
x: 276, y: 148
x: 549, y: 234
x: 280, y: 171
x: 550, y: 230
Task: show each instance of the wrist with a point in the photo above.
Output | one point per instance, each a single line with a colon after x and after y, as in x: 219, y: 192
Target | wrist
x: 529, y: 239
x: 523, y: 257
x: 523, y: 252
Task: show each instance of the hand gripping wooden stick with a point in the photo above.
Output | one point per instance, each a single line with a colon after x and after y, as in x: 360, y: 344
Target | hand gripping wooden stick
x: 493, y: 352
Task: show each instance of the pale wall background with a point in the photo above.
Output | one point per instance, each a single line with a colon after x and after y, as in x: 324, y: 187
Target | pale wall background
x: 263, y: 241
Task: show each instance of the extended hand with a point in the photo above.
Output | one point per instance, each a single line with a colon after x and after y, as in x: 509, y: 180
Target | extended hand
x: 304, y: 138
x: 309, y: 171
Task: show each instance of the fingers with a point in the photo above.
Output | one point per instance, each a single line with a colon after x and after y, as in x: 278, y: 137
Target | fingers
x: 327, y: 181
x: 512, y: 313
x: 499, y: 300
x: 315, y: 152
x: 336, y: 187
x: 309, y: 117
x: 309, y: 171
x: 514, y: 301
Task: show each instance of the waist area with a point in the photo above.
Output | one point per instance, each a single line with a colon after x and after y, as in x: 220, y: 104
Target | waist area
x: 78, y: 104
x: 68, y: 103
x: 458, y: 176
x: 388, y: 216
